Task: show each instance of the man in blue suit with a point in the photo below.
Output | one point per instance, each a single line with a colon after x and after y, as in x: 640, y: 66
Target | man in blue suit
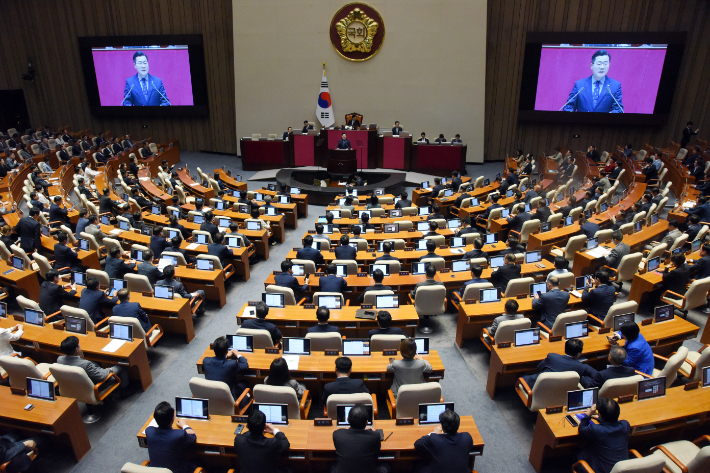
x: 552, y: 303
x: 167, y: 446
x: 344, y: 143
x: 598, y: 92
x: 115, y: 267
x: 701, y: 209
x: 126, y: 308
x: 323, y: 315
x: 144, y: 89
x: 260, y: 323
x: 224, y: 253
x: 447, y: 448
x: 331, y: 282
x: 345, y: 251
x: 93, y: 300
x: 557, y: 363
x: 286, y: 278
x: 600, y: 299
x: 158, y: 243
x: 226, y: 366
x: 310, y: 253
x: 588, y: 228
x: 608, y: 441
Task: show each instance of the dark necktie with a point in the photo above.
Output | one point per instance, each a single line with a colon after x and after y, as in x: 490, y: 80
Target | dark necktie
x: 597, y: 86
x: 144, y: 86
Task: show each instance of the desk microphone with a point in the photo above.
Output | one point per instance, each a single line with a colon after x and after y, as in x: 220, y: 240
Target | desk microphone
x: 617, y: 102
x: 129, y: 92
x: 161, y: 94
x: 575, y: 96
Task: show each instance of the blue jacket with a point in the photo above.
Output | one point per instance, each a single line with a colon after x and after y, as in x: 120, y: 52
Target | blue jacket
x: 132, y: 309
x: 589, y: 229
x: 345, y: 252
x: 702, y: 211
x: 639, y: 355
x: 607, y: 443
x: 116, y: 267
x: 158, y: 244
x: 81, y: 226
x: 222, y: 369
x: 446, y: 452
x: 222, y: 252
x: 287, y: 280
x: 133, y: 92
x: 151, y: 272
x: 261, y: 324
x: 332, y: 283
x: 556, y: 363
x: 166, y: 448
x: 551, y: 304
x: 93, y: 301
x: 584, y: 101
x: 310, y: 254
x: 599, y: 300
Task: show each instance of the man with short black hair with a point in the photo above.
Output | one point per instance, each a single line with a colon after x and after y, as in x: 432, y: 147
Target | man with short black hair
x: 209, y: 226
x: 543, y: 211
x: 552, y: 303
x: 518, y: 219
x: 260, y: 323
x: 228, y: 367
x: 601, y: 298
x: 557, y: 363
x: 378, y: 276
x: 126, y: 308
x: 93, y: 300
x: 218, y: 249
x: 310, y: 253
x: 332, y: 282
x: 73, y: 356
x: 615, y: 369
x: 158, y: 243
x: 514, y: 246
x: 447, y: 449
x: 115, y: 267
x: 429, y: 281
x: 701, y: 268
x: 476, y: 272
x: 357, y: 448
x: 620, y: 250
x: 257, y: 453
x: 30, y: 232
x: 145, y: 268
x: 608, y: 440
x: 167, y: 446
x: 433, y: 227
x: 431, y: 249
x: 386, y: 250
x: 384, y: 320
x: 694, y: 227
x: 57, y: 213
x: 322, y: 314
x: 66, y: 257
x: 286, y: 279
x: 403, y: 201
x: 506, y: 273
x: 465, y: 227
x: 511, y: 313
x: 343, y: 384
x: 476, y: 252
x: 51, y: 293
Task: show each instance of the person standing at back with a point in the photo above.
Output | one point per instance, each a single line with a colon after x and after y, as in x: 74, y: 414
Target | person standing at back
x: 166, y: 446
x: 448, y: 449
x: 30, y: 232
x: 257, y: 453
x: 356, y: 448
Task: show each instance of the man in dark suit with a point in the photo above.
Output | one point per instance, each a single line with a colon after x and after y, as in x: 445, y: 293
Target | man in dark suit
x: 447, y: 449
x: 504, y: 274
x: 57, y: 213
x: 226, y: 366
x: 384, y: 320
x: 429, y: 281
x: 84, y: 190
x: 514, y: 246
x: 158, y: 243
x: 345, y: 251
x: 343, y: 384
x: 219, y: 250
x: 93, y: 300
x: 438, y: 187
x: 148, y: 270
x: 208, y: 225
x: 476, y: 272
x: 588, y: 228
x: 66, y: 257
x: 607, y: 442
x: 386, y: 250
x: 534, y: 192
x: 286, y: 279
x: 694, y: 227
x: 675, y: 279
x: 688, y: 133
x: 286, y: 133
x: 126, y: 308
x: 144, y: 89
x: 614, y: 370
x: 476, y: 252
x: 465, y: 227
x: 557, y: 363
x: 598, y: 92
x: 403, y: 201
x: 260, y: 323
x: 357, y: 448
x: 323, y: 315
x: 701, y: 209
x: 571, y: 204
x: 359, y: 181
x: 456, y: 181
x: 344, y: 142
x: 701, y: 268
x: 552, y: 303
x: 593, y: 154
x: 306, y: 127
x: 331, y: 282
x: 516, y: 221
x: 495, y: 205
x: 423, y: 139
x: 601, y: 298
x: 526, y: 168
x: 35, y: 203
x: 309, y: 253
x: 396, y: 129
x: 431, y: 250
x: 51, y: 293
x: 167, y: 446
x: 106, y: 205
x: 377, y: 276
x: 616, y: 171
x: 257, y: 453
x: 115, y: 267
x: 30, y: 232
x: 353, y: 122
x: 178, y: 288
x: 543, y: 212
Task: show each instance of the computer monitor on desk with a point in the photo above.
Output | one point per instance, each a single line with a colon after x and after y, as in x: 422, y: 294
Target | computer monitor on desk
x: 243, y: 343
x: 527, y: 337
x: 650, y: 388
x: 576, y: 330
x: 192, y: 408
x: 297, y: 346
x: 429, y: 412
x: 40, y: 389
x: 275, y: 413
x: 489, y: 295
x: 343, y: 410
x: 581, y: 399
x: 356, y: 347
x: 653, y: 263
x: 621, y: 319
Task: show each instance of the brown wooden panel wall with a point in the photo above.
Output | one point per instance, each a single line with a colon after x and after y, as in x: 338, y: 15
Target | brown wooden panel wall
x: 47, y: 32
x: 508, y: 22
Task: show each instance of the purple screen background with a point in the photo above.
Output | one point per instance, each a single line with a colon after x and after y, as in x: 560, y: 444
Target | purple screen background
x: 638, y: 70
x: 172, y: 66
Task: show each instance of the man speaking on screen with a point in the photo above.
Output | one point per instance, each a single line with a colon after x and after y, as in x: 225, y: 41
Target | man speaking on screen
x: 597, y: 93
x: 144, y: 89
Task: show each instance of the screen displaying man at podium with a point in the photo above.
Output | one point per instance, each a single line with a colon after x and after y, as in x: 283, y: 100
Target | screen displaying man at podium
x: 344, y: 143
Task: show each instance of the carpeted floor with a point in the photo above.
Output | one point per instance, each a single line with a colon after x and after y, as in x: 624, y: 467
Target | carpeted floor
x: 506, y: 426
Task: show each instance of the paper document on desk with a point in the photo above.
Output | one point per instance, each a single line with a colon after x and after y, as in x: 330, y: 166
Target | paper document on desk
x: 116, y: 231
x: 342, y: 183
x: 687, y: 205
x: 292, y: 361
x: 163, y: 262
x: 144, y: 179
x: 249, y: 313
x: 576, y: 294
x: 598, y: 252
x: 153, y: 423
x: 113, y: 346
x: 457, y: 251
x: 193, y: 246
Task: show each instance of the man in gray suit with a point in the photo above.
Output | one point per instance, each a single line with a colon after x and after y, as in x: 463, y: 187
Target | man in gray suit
x: 74, y: 357
x: 429, y: 281
x: 93, y: 229
x: 620, y: 250
x: 148, y: 270
x: 552, y: 303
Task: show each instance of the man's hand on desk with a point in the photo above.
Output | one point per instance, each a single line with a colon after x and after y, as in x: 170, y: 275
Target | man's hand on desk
x: 233, y: 354
x: 592, y: 412
x: 438, y: 430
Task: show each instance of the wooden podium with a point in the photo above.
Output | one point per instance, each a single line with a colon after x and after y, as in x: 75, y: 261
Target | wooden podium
x: 342, y: 162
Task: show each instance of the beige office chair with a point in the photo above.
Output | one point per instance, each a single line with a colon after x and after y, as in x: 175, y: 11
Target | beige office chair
x: 680, y: 241
x: 439, y: 239
x: 228, y: 271
x: 68, y: 310
x: 505, y: 332
x: 627, y: 268
x: 262, y: 338
x: 529, y: 227
x: 325, y: 341
x: 628, y: 307
x: 371, y: 296
x: 94, y: 245
x: 428, y: 301
x: 574, y: 213
x: 394, y: 266
x: 44, y: 265
x: 695, y: 361
x: 317, y: 296
x: 19, y: 369
x: 351, y: 265
x: 27, y: 262
x: 673, y: 364
x: 102, y: 276
x: 385, y: 342
x: 695, y: 296
x: 684, y: 456
x: 591, y: 205
x: 409, y: 211
x: 143, y: 468
x: 627, y: 229
x: 657, y: 250
x: 518, y: 286
x: 138, y: 283
x: 398, y: 243
x: 26, y: 303
x: 574, y: 244
x: 635, y: 464
x: 554, y: 220
x: 264, y: 393
x: 603, y: 236
x: 289, y: 297
x: 438, y: 262
x: 5, y: 254
x: 614, y: 388
x: 558, y: 328
x: 409, y: 396
x: 220, y: 397
x: 308, y: 265
x: 111, y: 243
x: 550, y: 389
x: 75, y: 383
x: 566, y: 279
x: 151, y: 337
x: 330, y: 410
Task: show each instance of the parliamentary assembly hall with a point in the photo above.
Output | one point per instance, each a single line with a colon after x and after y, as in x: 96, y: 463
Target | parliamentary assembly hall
x: 441, y: 236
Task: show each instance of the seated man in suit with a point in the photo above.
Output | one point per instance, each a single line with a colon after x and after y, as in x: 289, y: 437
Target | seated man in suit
x: 310, y: 253
x: 476, y: 272
x: 73, y: 356
x: 639, y: 355
x: 167, y: 446
x: 343, y: 384
x: 115, y: 267
x: 396, y: 129
x: 429, y: 281
x: 435, y: 213
x: 513, y: 246
x: 465, y: 227
x: 589, y: 229
x: 457, y: 138
x: 178, y: 288
x: 516, y: 221
x: 331, y: 282
x: 17, y: 451
x: 319, y: 233
x: 601, y: 298
x: 357, y: 448
x: 438, y: 187
x: 357, y: 231
x: 615, y: 369
x: 620, y: 250
x: 608, y: 440
x: 145, y: 268
x: 386, y: 250
x: 504, y: 274
x: 373, y: 203
x: 57, y: 213
x: 322, y: 314
x: 365, y: 219
x: 552, y: 303
x: 701, y: 268
x: 431, y: 250
x: 495, y: 205
x: 106, y: 205
x: 433, y: 227
x: 226, y: 366
x: 476, y: 252
x: 377, y: 276
x: 209, y: 226
x: 65, y: 257
x: 511, y: 313
x: 403, y: 201
x: 384, y: 320
x: 345, y: 251
x: 676, y: 277
x: 543, y: 211
x: 456, y: 180
x: 175, y: 243
x: 51, y: 293
x: 260, y: 323
x: 158, y: 243
x: 286, y: 279
x: 440, y: 139
x: 423, y: 139
x: 447, y: 449
x: 140, y: 200
x: 35, y: 203
x: 93, y: 300
x: 286, y: 133
x: 126, y: 308
x: 558, y: 363
x: 218, y: 249
x: 258, y: 453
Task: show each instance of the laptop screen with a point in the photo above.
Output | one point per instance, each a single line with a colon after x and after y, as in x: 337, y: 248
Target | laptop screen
x: 395, y: 213
x: 663, y: 313
x: 505, y: 212
x: 429, y: 413
x: 275, y: 413
x: 387, y: 302
x: 34, y: 317
x: 581, y: 399
x: 343, y: 410
x: 654, y: 219
x: 204, y: 264
x: 224, y: 222
x: 422, y: 226
x: 18, y: 263
x: 457, y: 242
x: 191, y: 408
x: 201, y: 238
x: 272, y: 210
x: 123, y: 225
x: 576, y: 330
x: 105, y: 220
x: 163, y: 292
x: 75, y: 324
x: 579, y: 282
x: 619, y: 320
x: 295, y: 190
x: 233, y: 242
x: 497, y: 261
x: 219, y: 205
x: 273, y: 300
x: 569, y: 220
x: 391, y: 228
x: 533, y: 256
x: 592, y: 243
x: 356, y: 347
x: 540, y: 287
x: 425, y: 184
x: 418, y: 268
x: 460, y: 265
x: 650, y: 388
x: 331, y: 302
x: 121, y: 331
x: 336, y: 213
x: 243, y: 343
x: 78, y: 278
x: 422, y: 345
x: 424, y: 210
x: 489, y: 295
x: 198, y: 219
x: 253, y: 225
x: 137, y: 255
x: 454, y: 223
x: 545, y: 227
x: 491, y: 239
x: 706, y: 377
x: 155, y: 210
x: 3, y: 309
x: 297, y: 346
x: 116, y: 285
x: 298, y: 269
x: 341, y: 270
x: 40, y: 389
x: 526, y: 337
x: 637, y: 226
x: 385, y: 268
x: 172, y: 233
x: 83, y: 245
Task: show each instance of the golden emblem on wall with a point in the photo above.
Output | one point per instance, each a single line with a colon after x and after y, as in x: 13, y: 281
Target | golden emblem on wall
x: 357, y: 31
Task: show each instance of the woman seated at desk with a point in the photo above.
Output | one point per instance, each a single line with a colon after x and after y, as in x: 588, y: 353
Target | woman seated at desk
x: 280, y: 376
x: 410, y: 369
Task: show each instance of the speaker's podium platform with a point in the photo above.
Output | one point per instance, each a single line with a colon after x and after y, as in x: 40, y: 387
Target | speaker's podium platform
x: 341, y: 162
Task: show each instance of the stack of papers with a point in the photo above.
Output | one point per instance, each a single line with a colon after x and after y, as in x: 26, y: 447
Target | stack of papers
x: 576, y: 294
x: 457, y: 251
x: 144, y: 178
x: 292, y: 361
x: 193, y: 246
x: 153, y: 423
x: 598, y: 252
x: 116, y: 231
x: 113, y: 346
x: 249, y: 312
